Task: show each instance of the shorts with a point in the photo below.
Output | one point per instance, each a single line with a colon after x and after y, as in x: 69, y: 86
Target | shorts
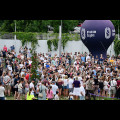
x: 82, y: 97
x: 26, y: 90
x: 70, y: 89
x: 20, y: 91
x: 7, y: 87
x: 59, y: 86
x: 2, y: 98
x: 113, y: 90
x: 16, y: 89
x: 65, y: 87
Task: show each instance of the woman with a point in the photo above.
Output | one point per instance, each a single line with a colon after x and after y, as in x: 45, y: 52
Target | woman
x: 50, y: 94
x: 101, y: 85
x: 26, y: 88
x: 20, y: 87
x: 43, y: 90
x: 105, y: 88
x: 59, y: 84
x: 76, y: 88
x: 65, y: 84
x: 96, y: 85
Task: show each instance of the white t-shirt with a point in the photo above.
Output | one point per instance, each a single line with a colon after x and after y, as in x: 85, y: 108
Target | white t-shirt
x: 6, y: 78
x: 21, y: 65
x: 30, y: 62
x: 56, y: 97
x: 54, y: 89
x: 32, y: 86
x: 105, y: 85
x: 20, y: 86
x: 87, y: 57
x: 70, y: 82
x: 9, y: 67
x: 65, y: 82
x: 82, y: 90
x: 113, y: 83
x: 2, y: 90
x: 80, y: 79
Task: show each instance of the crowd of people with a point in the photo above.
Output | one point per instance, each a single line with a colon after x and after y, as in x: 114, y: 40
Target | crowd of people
x: 78, y: 76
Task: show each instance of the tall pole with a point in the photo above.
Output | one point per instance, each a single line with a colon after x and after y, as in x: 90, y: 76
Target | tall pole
x: 60, y: 37
x: 118, y: 33
x: 15, y: 34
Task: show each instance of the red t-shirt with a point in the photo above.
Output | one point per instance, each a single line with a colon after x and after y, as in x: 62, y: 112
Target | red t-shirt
x: 5, y: 48
x: 27, y: 77
x: 118, y: 83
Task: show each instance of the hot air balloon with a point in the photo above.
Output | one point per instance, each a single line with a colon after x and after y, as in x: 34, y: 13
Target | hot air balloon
x: 97, y: 36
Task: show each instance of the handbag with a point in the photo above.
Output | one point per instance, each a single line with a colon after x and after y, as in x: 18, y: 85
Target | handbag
x: 40, y: 93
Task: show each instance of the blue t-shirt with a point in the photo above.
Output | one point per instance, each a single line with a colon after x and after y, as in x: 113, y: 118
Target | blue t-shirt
x: 83, y: 59
x: 47, y: 66
x: 94, y: 72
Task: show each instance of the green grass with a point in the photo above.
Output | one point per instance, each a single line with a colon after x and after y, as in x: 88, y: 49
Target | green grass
x: 11, y: 97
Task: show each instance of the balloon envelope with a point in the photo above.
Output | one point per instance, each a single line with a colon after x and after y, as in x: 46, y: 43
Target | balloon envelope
x: 97, y: 36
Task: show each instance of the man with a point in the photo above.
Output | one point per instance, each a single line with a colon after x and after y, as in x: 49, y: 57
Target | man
x: 90, y: 88
x: 16, y: 80
x: 82, y: 92
x: 7, y: 81
x: 113, y: 84
x: 27, y: 76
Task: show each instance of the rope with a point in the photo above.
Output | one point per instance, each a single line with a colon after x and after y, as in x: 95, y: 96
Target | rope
x: 102, y: 96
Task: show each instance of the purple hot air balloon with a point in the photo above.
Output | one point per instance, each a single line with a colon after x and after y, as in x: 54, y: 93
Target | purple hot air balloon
x: 97, y: 36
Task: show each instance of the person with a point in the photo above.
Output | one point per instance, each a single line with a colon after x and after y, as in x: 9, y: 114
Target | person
x: 59, y: 84
x: 65, y: 86
x: 50, y: 94
x: 26, y: 88
x: 43, y: 90
x: 90, y: 88
x: 5, y: 48
x: 82, y: 92
x: 7, y: 83
x: 96, y: 85
x: 76, y: 90
x: 101, y: 86
x: 57, y: 96
x: 20, y: 87
x: 33, y: 87
x: 118, y: 88
x: 54, y: 87
x: 113, y: 85
x: 16, y: 80
x: 105, y: 88
x: 29, y: 95
x: 2, y: 90
x: 70, y: 82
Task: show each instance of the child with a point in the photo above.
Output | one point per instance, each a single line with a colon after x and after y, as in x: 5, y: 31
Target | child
x: 56, y: 96
x: 70, y: 96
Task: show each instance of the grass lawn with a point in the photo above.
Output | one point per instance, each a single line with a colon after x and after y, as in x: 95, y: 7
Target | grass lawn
x: 61, y: 98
